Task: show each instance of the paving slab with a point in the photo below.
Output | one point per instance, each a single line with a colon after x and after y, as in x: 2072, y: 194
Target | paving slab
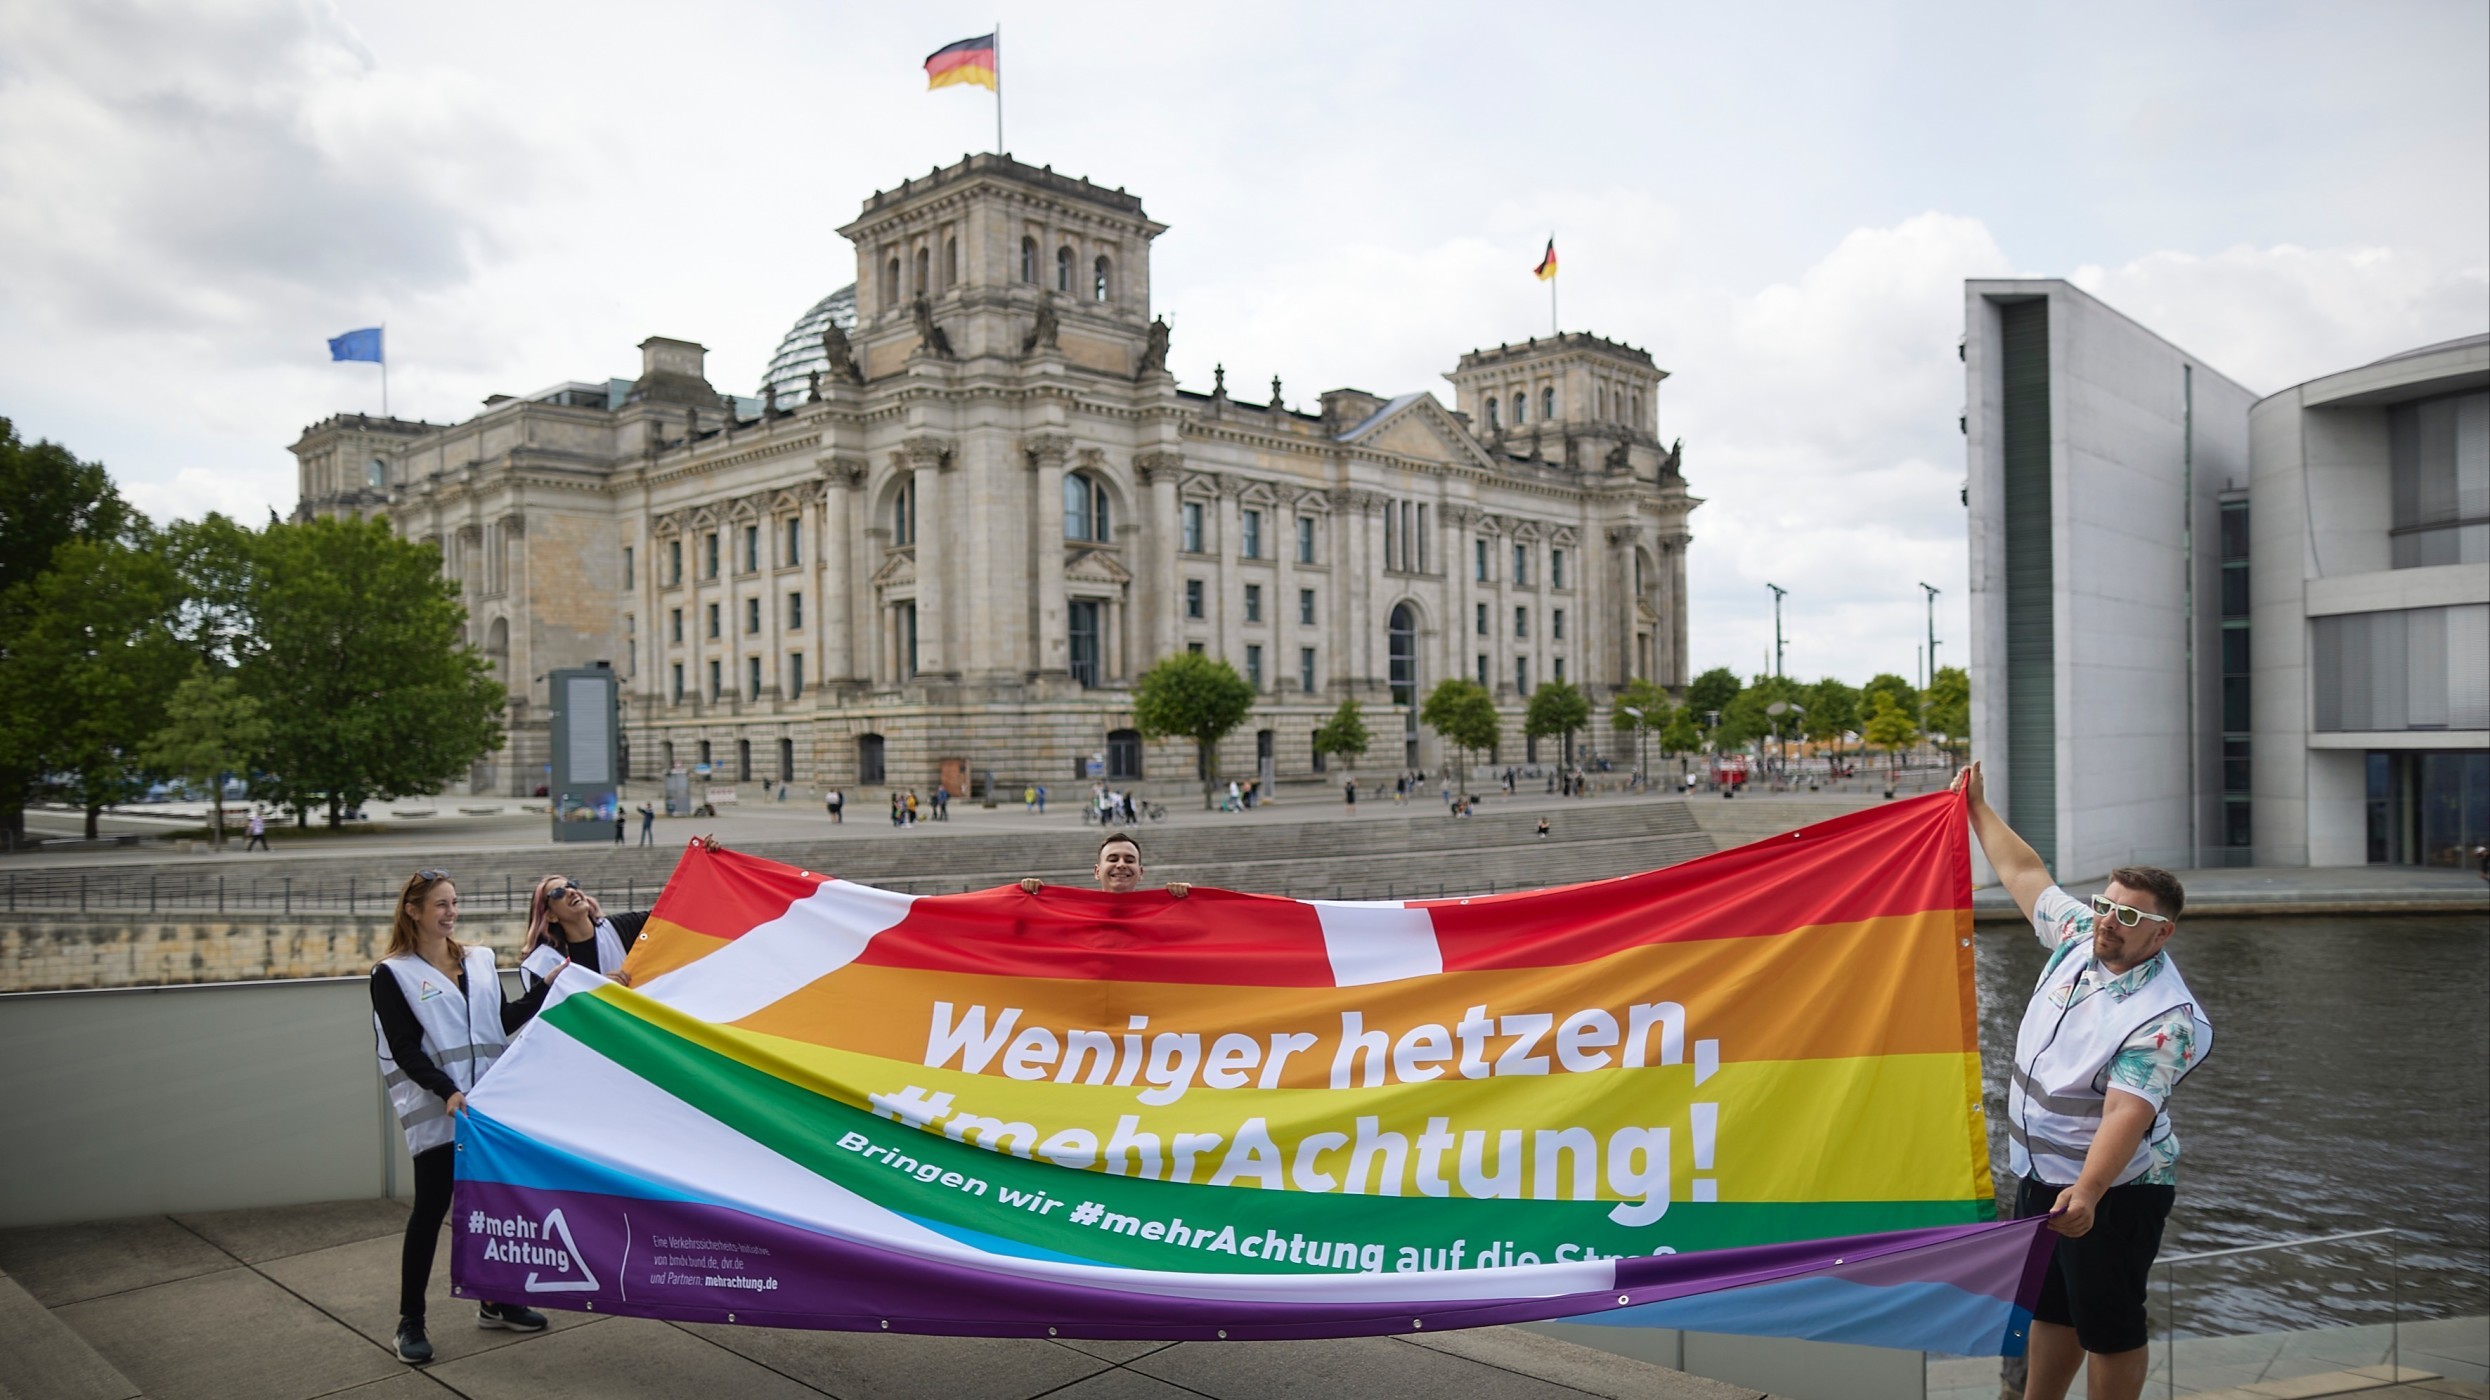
x: 69, y: 1263
x: 408, y: 1384
x: 358, y: 1285
x: 1121, y: 1384
x: 1118, y: 1352
x: 1586, y: 1369
x: 1374, y: 1368
x: 620, y: 1358
x: 229, y: 1334
x: 273, y: 1232
x: 886, y: 1367
x: 40, y: 1356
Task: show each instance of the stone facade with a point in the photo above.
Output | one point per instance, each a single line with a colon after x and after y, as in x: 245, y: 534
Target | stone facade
x: 995, y: 509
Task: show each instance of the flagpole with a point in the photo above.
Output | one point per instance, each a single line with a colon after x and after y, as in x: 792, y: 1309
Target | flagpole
x: 1560, y: 271
x: 998, y: 87
x: 384, y: 369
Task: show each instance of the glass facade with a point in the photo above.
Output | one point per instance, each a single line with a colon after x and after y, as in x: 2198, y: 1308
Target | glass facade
x: 2439, y: 455
x: 2412, y: 668
x: 2428, y: 808
x: 2238, y: 826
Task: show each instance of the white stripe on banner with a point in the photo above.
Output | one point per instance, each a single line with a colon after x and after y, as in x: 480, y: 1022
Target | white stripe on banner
x: 1372, y: 941
x: 819, y: 934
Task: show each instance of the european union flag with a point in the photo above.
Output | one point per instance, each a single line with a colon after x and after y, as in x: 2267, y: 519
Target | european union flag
x: 356, y: 345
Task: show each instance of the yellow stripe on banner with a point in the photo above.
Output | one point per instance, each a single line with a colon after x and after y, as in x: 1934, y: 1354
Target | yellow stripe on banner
x: 1883, y: 1128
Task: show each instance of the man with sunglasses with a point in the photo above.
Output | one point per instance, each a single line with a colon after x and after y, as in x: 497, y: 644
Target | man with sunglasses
x: 2110, y: 1031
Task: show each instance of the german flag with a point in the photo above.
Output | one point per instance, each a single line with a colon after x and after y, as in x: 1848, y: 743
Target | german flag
x: 1546, y: 270
x: 968, y: 61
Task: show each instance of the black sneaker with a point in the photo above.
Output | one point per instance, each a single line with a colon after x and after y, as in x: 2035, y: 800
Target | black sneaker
x: 413, y: 1348
x: 509, y: 1316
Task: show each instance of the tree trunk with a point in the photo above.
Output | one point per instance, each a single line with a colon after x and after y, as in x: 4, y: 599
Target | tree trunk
x: 94, y: 810
x: 12, y: 826
x: 216, y: 816
x: 334, y: 810
x: 1201, y: 754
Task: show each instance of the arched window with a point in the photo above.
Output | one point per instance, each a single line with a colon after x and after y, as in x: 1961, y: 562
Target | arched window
x: 1099, y: 286
x: 1063, y: 269
x: 903, y: 514
x: 869, y: 760
x: 1404, y: 653
x: 1494, y: 422
x: 1521, y: 410
x: 1547, y: 405
x: 924, y: 266
x: 951, y: 264
x: 890, y: 284
x: 1028, y: 261
x: 1085, y: 509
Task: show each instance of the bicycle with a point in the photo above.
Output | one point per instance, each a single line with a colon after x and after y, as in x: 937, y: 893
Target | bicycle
x: 1155, y: 811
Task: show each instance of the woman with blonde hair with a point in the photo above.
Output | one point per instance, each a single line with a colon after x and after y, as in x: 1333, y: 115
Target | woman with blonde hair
x: 562, y: 915
x: 438, y: 1013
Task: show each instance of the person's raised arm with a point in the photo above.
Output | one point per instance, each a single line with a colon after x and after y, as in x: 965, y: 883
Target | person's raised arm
x: 2018, y: 866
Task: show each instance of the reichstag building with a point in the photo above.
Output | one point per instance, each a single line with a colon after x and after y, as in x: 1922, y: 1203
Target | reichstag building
x: 970, y: 506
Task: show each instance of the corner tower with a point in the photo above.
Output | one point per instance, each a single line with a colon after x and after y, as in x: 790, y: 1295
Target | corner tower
x: 1575, y: 399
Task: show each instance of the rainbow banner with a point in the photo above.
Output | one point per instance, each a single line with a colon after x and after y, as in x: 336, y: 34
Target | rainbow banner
x: 1739, y: 1095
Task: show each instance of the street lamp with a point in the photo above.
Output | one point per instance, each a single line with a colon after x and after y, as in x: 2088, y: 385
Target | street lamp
x: 1778, y: 593
x: 1932, y: 663
x: 1777, y: 709
x: 1641, y: 778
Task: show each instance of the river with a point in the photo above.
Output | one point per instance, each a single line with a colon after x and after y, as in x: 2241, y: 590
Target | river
x: 2348, y: 1089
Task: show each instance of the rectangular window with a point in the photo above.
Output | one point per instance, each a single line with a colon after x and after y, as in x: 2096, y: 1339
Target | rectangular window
x: 1253, y: 602
x: 1556, y: 568
x: 2438, y: 460
x: 709, y: 545
x: 1305, y: 539
x: 1556, y: 617
x: 1194, y: 648
x: 1521, y: 566
x: 1193, y: 598
x: 674, y: 562
x: 713, y: 622
x: 674, y: 626
x: 1305, y: 607
x: 795, y: 675
x: 678, y: 682
x: 630, y: 557
x: 752, y: 617
x: 631, y: 657
x: 1193, y: 527
x: 1521, y: 622
x: 1559, y: 664
x: 907, y: 641
x: 1422, y: 539
x: 1305, y: 669
x: 1082, y: 620
x: 1479, y: 564
x: 752, y: 677
x: 1521, y: 674
x: 1482, y: 619
x: 1253, y: 666
x: 2415, y: 668
x: 752, y: 549
x: 795, y: 612
x: 1482, y: 670
x: 795, y: 541
x: 1249, y: 533
x: 716, y: 680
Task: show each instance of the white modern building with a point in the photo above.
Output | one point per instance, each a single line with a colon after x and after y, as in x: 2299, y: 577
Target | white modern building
x: 2209, y: 629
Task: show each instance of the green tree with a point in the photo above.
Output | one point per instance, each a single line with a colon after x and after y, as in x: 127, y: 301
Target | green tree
x: 1949, y: 707
x: 1903, y: 692
x: 1713, y: 690
x: 91, y: 657
x: 353, y: 646
x: 1832, y: 711
x: 1190, y: 696
x: 1344, y: 734
x: 1680, y: 735
x: 1557, y: 709
x: 1889, y: 726
x: 210, y: 729
x: 1652, y: 701
x: 47, y: 499
x: 1464, y: 713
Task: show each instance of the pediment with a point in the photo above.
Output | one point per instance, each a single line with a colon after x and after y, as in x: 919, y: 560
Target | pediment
x: 704, y: 517
x: 896, y: 571
x: 1097, y: 566
x: 1311, y: 503
x: 1644, y: 610
x: 1196, y: 484
x: 1258, y: 493
x: 1417, y: 426
x: 1527, y: 530
x: 1563, y: 534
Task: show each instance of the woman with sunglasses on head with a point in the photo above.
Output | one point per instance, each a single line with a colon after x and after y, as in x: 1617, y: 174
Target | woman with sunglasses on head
x: 569, y: 919
x: 438, y: 1011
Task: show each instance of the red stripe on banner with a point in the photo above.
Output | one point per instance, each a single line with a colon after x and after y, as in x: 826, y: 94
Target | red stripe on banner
x: 1211, y: 936
x: 1907, y: 858
x: 727, y: 895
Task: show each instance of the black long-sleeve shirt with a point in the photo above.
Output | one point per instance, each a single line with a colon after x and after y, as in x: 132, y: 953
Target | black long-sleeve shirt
x: 405, y: 1034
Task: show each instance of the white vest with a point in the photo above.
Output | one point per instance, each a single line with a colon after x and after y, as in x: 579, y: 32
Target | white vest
x: 463, y: 1035
x: 610, y: 951
x: 2062, y: 1055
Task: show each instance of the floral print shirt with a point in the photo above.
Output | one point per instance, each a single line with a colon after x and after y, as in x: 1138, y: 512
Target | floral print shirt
x: 2150, y: 1063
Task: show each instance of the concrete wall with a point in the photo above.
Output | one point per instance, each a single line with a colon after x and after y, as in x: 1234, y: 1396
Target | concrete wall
x: 2131, y: 751
x: 46, y: 952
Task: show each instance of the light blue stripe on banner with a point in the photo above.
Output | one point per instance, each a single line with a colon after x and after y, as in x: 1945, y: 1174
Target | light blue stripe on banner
x: 488, y: 1151
x: 1911, y: 1316
x: 996, y: 1244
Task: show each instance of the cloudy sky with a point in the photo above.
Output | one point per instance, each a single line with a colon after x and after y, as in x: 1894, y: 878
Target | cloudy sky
x: 1780, y: 202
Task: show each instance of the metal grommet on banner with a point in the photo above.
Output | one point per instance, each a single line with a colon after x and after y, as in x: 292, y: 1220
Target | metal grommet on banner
x: 1049, y: 1331
x: 1418, y: 1322
x: 590, y: 1304
x: 1223, y: 1334
x: 730, y: 1317
x: 886, y: 1324
x: 1624, y: 1298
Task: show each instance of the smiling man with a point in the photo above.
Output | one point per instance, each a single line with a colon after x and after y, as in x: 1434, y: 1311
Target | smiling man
x: 1118, y: 870
x: 2110, y: 1031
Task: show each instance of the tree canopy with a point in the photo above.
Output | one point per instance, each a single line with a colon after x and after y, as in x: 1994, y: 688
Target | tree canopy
x: 1556, y: 708
x: 90, y: 660
x: 1949, y: 706
x: 1464, y: 713
x: 211, y: 729
x: 1889, y: 726
x: 1190, y: 696
x: 1713, y: 690
x: 1344, y: 734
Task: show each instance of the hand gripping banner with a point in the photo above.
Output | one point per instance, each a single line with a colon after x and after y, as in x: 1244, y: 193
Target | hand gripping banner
x: 1736, y: 1095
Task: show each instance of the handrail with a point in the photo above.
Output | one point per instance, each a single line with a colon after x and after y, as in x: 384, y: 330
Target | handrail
x: 2395, y: 1293
x: 2278, y: 1244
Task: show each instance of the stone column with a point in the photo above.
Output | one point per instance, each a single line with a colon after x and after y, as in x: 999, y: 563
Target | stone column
x: 1673, y: 604
x: 842, y: 547
x: 1049, y: 635
x: 924, y: 459
x: 1227, y: 596
x: 1155, y: 568
x: 1461, y: 593
x: 1282, y: 605
x: 1622, y: 612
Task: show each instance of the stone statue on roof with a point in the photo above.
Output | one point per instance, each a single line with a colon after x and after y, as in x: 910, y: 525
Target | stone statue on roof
x: 929, y: 336
x: 1154, y: 353
x: 1042, y: 335
x: 841, y: 355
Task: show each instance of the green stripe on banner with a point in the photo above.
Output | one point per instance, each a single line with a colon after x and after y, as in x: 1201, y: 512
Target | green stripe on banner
x: 1181, y: 1227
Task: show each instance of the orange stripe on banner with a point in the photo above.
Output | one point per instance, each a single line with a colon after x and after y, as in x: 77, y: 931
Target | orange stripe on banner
x: 1891, y: 986
x: 663, y: 946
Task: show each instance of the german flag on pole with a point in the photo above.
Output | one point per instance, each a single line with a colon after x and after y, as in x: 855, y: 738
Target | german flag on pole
x: 1546, y: 271
x: 968, y: 61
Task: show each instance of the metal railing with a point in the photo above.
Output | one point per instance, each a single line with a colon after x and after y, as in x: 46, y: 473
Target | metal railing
x: 152, y: 892
x: 2170, y: 1292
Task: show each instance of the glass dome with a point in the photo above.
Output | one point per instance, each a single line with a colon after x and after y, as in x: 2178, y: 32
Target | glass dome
x: 800, y: 353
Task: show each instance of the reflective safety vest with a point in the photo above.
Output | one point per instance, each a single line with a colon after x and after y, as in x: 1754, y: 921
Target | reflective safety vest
x: 2055, y: 1098
x: 462, y: 1034
x: 610, y: 951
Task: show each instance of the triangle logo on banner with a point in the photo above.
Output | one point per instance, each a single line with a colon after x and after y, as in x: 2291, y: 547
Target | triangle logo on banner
x: 556, y: 1228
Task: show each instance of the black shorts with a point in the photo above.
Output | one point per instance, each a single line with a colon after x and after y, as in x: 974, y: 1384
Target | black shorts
x: 2096, y: 1284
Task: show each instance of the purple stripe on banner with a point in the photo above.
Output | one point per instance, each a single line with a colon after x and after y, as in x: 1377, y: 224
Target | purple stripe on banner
x: 692, y: 1261
x: 1992, y: 1259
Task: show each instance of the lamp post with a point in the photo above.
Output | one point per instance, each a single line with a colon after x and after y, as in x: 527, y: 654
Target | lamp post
x: 1777, y: 709
x: 1640, y: 776
x: 1778, y: 593
x: 1932, y: 664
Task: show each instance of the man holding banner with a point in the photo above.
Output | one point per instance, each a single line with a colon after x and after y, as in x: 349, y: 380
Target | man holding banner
x: 1118, y: 870
x: 2110, y: 1032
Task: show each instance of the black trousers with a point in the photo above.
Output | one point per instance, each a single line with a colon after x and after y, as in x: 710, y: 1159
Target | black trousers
x: 436, y: 1171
